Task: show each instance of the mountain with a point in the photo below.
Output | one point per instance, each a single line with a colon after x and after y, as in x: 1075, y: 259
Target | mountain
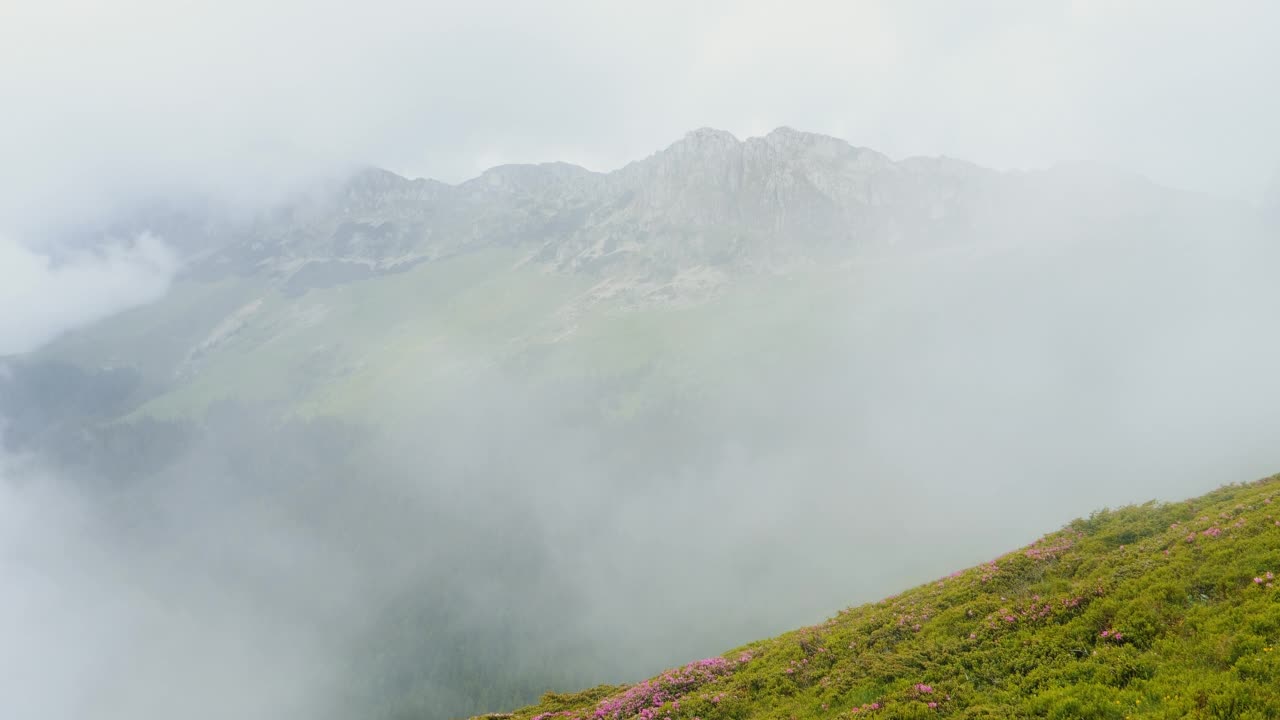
x: 1163, y: 610
x: 347, y: 282
x: 665, y: 225
x: 456, y: 438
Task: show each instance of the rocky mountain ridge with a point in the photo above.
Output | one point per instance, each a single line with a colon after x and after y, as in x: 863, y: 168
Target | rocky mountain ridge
x: 681, y: 220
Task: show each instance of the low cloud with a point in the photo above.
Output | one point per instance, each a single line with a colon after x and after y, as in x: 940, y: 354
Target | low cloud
x: 140, y: 97
x: 98, y: 623
x: 45, y: 294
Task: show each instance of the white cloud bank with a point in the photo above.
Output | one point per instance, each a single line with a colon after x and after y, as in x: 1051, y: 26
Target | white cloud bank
x: 105, y: 102
x: 42, y: 295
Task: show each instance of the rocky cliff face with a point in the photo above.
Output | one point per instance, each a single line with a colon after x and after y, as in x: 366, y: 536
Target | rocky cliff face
x: 710, y: 200
x: 701, y: 210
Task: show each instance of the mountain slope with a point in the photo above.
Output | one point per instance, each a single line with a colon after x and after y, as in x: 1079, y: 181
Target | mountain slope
x: 379, y: 285
x: 708, y: 204
x: 1161, y: 610
x: 727, y: 348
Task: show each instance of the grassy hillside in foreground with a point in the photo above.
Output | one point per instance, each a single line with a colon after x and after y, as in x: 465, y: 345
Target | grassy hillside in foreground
x: 1154, y: 611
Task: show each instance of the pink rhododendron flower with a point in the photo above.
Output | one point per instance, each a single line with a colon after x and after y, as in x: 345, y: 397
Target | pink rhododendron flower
x: 641, y: 699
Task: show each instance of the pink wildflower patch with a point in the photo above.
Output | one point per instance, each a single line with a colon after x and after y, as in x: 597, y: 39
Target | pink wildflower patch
x: 641, y: 699
x: 1046, y: 549
x: 991, y: 569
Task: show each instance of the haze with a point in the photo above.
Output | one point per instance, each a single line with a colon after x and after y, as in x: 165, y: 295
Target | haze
x: 286, y: 436
x: 109, y: 102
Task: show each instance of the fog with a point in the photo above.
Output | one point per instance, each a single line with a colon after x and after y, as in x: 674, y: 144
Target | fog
x: 47, y: 292
x: 103, y: 626
x: 109, y: 103
x: 911, y: 414
x: 928, y: 415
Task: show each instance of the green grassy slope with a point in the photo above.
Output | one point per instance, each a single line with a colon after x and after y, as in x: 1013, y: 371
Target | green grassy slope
x: 332, y: 351
x: 381, y: 349
x: 1158, y: 611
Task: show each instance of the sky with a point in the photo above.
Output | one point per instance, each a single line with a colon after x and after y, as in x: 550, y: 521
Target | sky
x: 110, y: 103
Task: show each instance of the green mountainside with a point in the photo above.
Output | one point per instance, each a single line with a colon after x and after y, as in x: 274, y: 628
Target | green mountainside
x: 1163, y: 610
x: 493, y: 417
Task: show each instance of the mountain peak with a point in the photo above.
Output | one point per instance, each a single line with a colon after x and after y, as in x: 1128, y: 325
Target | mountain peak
x: 528, y: 175
x: 796, y: 142
x: 710, y: 134
x: 787, y: 134
x: 785, y: 131
x: 705, y: 140
x: 707, y: 200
